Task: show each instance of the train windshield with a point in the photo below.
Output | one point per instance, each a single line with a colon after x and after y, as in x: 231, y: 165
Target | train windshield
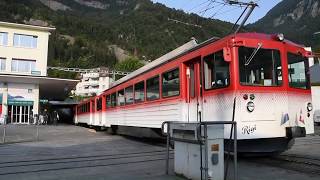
x: 298, y: 67
x: 260, y: 67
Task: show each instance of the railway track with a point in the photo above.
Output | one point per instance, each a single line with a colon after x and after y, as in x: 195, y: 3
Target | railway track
x: 305, y: 165
x: 78, y: 162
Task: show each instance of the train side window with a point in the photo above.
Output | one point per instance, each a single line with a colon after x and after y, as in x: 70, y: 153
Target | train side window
x: 298, y: 68
x: 153, y: 91
x: 93, y: 106
x: 108, y: 101
x: 129, y: 95
x: 139, y: 92
x: 216, y: 71
x: 171, y: 83
x: 114, y: 100
x: 99, y: 104
x: 121, y: 100
x: 88, y: 107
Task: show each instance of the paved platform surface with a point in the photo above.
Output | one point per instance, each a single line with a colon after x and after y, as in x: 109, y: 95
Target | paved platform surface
x: 71, y: 152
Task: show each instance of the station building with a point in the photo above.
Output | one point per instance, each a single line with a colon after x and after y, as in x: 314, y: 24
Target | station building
x: 23, y: 72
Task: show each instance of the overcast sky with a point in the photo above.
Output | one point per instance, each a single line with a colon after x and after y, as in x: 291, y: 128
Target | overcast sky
x: 219, y: 11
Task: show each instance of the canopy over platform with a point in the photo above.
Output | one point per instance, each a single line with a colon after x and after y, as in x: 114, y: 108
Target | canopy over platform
x: 50, y: 88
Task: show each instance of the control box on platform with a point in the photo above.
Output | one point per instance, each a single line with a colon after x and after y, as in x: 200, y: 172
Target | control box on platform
x: 198, y: 150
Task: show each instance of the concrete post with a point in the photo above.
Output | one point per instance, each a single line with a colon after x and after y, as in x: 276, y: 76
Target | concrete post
x: 36, y: 100
x: 5, y: 99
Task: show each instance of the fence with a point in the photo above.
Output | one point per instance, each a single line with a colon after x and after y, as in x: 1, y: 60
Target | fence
x: 14, y: 133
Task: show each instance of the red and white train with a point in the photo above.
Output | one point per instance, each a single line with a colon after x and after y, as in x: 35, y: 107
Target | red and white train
x: 267, y: 76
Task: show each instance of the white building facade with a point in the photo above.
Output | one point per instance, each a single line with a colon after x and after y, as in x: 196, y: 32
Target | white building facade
x: 23, y: 52
x: 93, y: 84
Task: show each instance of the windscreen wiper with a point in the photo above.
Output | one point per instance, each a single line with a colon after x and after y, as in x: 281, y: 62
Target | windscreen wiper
x: 253, y: 54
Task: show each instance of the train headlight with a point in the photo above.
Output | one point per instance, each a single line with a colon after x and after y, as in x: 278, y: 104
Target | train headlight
x: 278, y: 37
x: 309, y: 107
x: 250, y: 106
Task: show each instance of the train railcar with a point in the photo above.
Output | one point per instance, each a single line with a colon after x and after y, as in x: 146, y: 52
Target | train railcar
x: 264, y: 79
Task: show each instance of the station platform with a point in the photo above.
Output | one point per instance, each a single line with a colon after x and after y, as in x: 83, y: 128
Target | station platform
x: 73, y: 152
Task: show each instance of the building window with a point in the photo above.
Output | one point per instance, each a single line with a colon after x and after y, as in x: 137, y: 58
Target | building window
x: 27, y: 41
x: 139, y: 92
x: 153, y: 88
x: 95, y: 86
x: 18, y: 65
x: 216, y: 71
x: 2, y: 64
x: 3, y: 38
x: 129, y: 95
x: 171, y: 83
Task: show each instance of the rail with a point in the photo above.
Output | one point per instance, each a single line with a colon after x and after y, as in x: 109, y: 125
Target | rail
x: 201, y: 141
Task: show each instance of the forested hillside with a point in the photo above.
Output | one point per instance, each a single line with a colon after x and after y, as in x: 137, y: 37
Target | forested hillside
x: 297, y: 19
x: 92, y: 33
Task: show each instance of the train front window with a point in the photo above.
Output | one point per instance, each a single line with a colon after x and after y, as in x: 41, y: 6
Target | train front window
x: 260, y: 67
x: 298, y: 67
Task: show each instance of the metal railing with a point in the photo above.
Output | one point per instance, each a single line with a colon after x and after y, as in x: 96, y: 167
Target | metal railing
x: 15, y: 133
x: 201, y: 140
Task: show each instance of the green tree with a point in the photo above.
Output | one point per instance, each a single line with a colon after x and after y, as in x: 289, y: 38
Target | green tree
x: 129, y: 65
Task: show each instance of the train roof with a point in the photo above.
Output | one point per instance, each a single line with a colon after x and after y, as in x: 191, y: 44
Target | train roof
x: 188, y: 47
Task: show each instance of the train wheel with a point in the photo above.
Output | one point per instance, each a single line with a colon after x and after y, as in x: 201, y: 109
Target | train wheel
x: 114, y: 130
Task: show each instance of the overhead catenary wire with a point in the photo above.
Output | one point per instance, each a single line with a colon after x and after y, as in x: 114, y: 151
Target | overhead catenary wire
x: 185, y: 23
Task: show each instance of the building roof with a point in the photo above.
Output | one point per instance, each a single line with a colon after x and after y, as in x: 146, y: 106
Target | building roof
x: 50, y: 88
x: 26, y: 26
x: 315, y: 74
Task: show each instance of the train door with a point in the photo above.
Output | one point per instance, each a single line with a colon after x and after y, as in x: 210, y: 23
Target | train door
x: 193, y: 72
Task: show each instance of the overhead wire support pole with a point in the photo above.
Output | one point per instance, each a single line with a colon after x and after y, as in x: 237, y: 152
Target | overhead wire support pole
x: 251, y: 6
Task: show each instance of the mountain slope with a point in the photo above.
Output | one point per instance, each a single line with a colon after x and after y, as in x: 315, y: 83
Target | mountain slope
x: 89, y: 30
x: 297, y: 19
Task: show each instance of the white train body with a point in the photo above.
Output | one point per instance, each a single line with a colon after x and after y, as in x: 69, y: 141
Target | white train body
x: 271, y: 107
